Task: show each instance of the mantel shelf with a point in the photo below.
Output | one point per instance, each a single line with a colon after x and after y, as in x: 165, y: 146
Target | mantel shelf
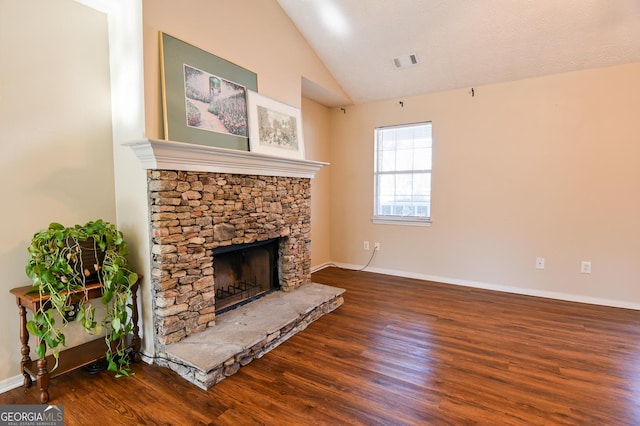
x: 156, y: 154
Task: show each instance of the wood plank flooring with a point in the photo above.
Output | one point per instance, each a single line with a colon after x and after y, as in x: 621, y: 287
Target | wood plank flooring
x: 398, y: 352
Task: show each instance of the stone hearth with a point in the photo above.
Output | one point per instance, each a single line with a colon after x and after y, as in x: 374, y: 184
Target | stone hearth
x: 247, y: 333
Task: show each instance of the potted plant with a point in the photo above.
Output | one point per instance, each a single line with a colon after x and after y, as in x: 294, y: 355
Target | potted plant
x: 63, y: 260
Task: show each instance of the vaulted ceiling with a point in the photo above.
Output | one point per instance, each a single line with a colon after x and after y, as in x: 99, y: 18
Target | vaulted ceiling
x: 459, y: 43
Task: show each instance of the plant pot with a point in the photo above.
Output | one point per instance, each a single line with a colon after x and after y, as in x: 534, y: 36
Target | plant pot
x: 89, y: 256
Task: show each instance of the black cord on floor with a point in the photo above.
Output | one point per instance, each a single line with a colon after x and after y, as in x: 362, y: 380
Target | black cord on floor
x: 370, y: 259
x: 356, y: 270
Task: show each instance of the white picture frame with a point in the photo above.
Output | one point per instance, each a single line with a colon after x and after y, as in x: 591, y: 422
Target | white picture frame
x: 275, y: 128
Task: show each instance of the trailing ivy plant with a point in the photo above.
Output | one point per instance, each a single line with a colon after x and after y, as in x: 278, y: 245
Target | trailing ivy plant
x: 63, y: 260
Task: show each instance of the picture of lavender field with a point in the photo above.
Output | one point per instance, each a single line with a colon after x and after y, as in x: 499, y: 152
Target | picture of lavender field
x: 214, y: 103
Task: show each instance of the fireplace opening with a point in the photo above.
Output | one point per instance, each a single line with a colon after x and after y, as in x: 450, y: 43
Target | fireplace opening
x: 244, y: 272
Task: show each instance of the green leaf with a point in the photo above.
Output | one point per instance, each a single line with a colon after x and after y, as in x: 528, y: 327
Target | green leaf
x: 50, y: 341
x: 48, y: 277
x: 115, y: 334
x: 123, y: 373
x: 112, y: 366
x: 41, y: 350
x: 33, y: 329
x: 116, y: 323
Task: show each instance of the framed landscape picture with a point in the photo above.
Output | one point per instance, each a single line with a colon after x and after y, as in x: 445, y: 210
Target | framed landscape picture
x: 204, y: 97
x: 275, y: 128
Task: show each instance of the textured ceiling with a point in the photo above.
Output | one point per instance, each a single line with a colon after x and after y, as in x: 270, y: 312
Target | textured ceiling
x: 460, y: 43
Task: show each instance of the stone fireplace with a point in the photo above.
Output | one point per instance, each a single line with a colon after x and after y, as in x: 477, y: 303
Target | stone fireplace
x: 220, y: 218
x: 196, y: 214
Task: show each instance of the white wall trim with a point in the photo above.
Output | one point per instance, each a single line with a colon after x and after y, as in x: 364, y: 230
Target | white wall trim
x: 11, y: 383
x: 170, y: 155
x: 322, y: 266
x: 126, y: 64
x: 491, y: 286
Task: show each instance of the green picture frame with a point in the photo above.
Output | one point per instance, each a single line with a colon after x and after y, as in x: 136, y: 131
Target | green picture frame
x: 193, y: 118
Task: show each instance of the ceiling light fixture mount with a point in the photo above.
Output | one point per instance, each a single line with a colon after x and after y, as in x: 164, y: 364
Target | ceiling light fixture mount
x: 405, y: 61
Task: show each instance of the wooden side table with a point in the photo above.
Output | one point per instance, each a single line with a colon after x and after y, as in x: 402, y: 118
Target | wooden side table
x: 71, y: 358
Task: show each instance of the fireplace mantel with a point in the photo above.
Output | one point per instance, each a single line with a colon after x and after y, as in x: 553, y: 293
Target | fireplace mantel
x: 168, y: 155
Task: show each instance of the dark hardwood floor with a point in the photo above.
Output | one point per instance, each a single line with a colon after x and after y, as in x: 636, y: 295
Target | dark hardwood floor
x: 398, y: 352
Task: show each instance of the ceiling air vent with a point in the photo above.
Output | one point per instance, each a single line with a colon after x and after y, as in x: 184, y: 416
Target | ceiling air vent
x: 405, y: 61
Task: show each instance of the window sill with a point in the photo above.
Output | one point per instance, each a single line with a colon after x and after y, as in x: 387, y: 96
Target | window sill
x: 398, y: 220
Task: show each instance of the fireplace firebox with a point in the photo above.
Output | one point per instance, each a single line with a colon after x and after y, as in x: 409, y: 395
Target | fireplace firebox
x: 244, y: 272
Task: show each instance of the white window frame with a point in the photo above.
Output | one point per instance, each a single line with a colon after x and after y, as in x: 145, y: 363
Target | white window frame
x: 415, y: 220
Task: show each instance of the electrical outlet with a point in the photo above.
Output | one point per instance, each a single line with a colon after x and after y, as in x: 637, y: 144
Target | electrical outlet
x: 539, y: 262
x: 365, y: 245
x: 376, y: 246
x: 585, y: 267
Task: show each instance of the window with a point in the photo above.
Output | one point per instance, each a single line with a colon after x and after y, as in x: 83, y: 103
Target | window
x: 402, y: 192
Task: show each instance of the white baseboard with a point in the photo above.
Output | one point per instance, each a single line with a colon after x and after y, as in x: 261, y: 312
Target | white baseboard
x: 324, y: 265
x: 490, y: 286
x: 11, y: 383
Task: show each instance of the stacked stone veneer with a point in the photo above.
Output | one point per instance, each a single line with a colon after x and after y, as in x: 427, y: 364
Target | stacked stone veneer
x: 194, y: 212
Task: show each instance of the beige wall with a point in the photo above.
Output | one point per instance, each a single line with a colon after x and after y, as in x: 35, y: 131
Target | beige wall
x: 542, y: 167
x: 316, y: 121
x: 254, y: 34
x: 56, y: 153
